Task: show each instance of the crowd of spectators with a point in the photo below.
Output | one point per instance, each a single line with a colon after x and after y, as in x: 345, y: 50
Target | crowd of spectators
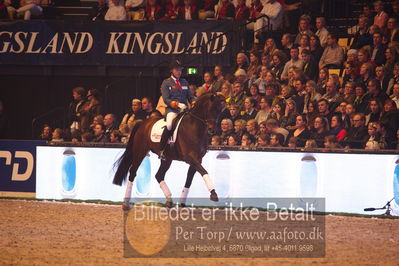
x: 303, y: 90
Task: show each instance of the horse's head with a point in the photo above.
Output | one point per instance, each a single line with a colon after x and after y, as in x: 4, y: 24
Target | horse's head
x: 209, y: 106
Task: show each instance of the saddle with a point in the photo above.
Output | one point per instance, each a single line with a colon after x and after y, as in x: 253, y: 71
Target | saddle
x: 158, y: 127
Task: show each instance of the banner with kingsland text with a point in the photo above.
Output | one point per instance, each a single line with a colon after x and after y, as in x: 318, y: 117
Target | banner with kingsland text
x: 117, y: 43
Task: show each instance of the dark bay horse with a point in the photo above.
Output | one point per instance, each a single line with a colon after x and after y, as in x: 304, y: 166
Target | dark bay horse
x: 190, y: 146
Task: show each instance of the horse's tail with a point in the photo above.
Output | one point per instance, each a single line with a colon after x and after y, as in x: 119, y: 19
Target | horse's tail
x: 125, y: 161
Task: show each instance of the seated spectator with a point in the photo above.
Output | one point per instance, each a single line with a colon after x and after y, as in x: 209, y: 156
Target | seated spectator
x: 378, y: 50
x: 241, y: 10
x: 372, y: 142
x: 224, y: 10
x: 315, y: 48
x: 311, y: 95
x: 294, y: 62
x: 321, y: 32
x: 357, y: 134
x: 232, y: 140
x: 46, y: 133
x: 97, y: 120
x: 311, y: 114
x: 86, y: 137
x: 353, y: 58
x: 300, y: 132
x: 254, y: 94
x: 226, y: 127
x: 57, y: 135
x: 310, y: 67
x: 27, y: 9
x: 117, y: 12
x: 215, y: 140
x: 235, y: 113
x: 366, y: 74
x: 303, y: 28
x: 153, y: 11
x: 265, y: 110
x: 189, y: 11
x: 361, y: 34
x: 242, y: 62
x: 278, y: 111
x: 381, y: 18
x: 331, y: 94
x: 374, y: 111
x: 99, y: 135
x: 173, y: 10
x: 351, y: 73
x: 238, y: 95
x: 337, y: 127
x: 133, y: 116
x: 207, y: 9
x: 241, y: 76
x: 110, y: 125
x: 135, y: 9
x: 375, y: 92
x: 252, y: 127
x: 263, y: 141
x: 275, y: 12
x: 270, y: 47
x: 287, y: 42
x: 208, y: 82
x: 390, y: 119
x: 148, y: 109
x: 239, y: 128
x: 310, y: 144
x: 262, y: 128
x: 292, y: 143
x: 360, y: 103
x: 249, y: 109
x: 254, y: 66
x: 333, y: 55
x: 276, y: 140
x: 322, y: 81
x: 303, y: 45
x: 392, y: 57
x: 226, y: 91
x: 272, y: 127
x: 323, y: 106
x: 320, y: 130
x: 349, y: 92
x: 278, y: 64
x: 392, y: 32
x: 395, y: 95
x: 115, y: 136
x: 331, y: 142
x: 290, y: 114
x: 247, y: 140
x: 219, y: 79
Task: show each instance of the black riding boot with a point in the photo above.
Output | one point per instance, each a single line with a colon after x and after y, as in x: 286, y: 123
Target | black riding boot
x: 164, y: 141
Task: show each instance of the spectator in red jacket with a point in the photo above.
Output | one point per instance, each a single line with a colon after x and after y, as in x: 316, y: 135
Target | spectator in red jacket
x: 242, y: 11
x: 189, y: 11
x: 153, y: 11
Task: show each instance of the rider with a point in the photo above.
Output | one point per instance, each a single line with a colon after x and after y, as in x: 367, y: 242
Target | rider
x: 176, y: 94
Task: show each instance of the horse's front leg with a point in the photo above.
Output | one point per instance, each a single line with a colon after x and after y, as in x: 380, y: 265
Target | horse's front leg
x: 196, y: 163
x: 190, y: 175
x: 160, y: 176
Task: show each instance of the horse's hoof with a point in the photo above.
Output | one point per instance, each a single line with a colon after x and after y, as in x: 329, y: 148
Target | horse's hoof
x: 126, y: 206
x: 214, y: 196
x: 169, y: 203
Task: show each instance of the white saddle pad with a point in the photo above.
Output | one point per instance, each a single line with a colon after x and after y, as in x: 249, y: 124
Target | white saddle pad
x: 157, y: 129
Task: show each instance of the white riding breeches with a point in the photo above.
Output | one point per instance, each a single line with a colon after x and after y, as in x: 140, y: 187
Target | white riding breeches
x: 169, y: 119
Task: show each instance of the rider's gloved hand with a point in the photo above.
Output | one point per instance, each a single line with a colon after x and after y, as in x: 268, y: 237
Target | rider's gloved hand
x: 182, y: 106
x: 174, y: 104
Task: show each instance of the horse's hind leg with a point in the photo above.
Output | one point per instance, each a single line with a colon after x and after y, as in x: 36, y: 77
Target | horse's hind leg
x: 137, y: 159
x: 160, y: 176
x: 186, y: 189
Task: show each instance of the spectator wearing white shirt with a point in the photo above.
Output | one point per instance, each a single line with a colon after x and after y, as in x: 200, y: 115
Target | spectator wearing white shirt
x: 116, y: 12
x: 321, y: 32
x: 275, y: 12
